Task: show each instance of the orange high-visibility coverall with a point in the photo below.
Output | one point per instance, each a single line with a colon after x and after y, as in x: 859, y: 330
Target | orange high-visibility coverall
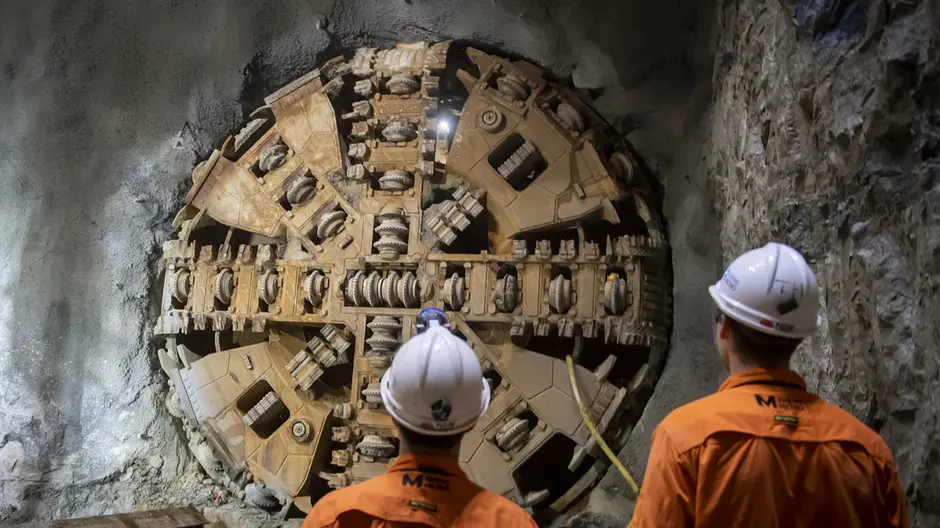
x: 764, y: 452
x: 418, y: 490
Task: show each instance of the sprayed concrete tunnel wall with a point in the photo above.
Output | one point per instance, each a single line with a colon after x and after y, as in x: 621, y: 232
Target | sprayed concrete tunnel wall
x: 111, y: 104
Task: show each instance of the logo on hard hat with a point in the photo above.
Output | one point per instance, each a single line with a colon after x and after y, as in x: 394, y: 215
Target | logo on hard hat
x: 731, y: 280
x: 777, y: 325
x: 441, y: 409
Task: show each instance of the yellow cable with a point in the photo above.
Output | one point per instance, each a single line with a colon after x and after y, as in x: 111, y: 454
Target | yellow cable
x: 597, y: 436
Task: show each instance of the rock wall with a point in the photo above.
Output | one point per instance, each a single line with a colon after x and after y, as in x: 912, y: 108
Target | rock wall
x: 825, y: 134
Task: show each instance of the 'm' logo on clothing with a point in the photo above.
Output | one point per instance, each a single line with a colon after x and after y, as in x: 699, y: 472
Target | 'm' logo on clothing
x: 783, y: 403
x: 425, y: 481
x: 771, y: 401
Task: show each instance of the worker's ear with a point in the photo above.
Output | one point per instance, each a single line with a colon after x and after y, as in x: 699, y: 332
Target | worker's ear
x: 723, y: 340
x: 724, y: 329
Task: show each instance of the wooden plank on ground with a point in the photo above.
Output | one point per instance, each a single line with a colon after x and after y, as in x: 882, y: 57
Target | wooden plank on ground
x: 188, y: 517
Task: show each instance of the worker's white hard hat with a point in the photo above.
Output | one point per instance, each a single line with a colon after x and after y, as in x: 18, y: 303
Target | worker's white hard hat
x: 435, y: 385
x: 770, y: 289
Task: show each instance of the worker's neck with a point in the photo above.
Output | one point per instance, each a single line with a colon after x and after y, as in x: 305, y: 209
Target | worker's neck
x: 407, y: 449
x: 737, y: 364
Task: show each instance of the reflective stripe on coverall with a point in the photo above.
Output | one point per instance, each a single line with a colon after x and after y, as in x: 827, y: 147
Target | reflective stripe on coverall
x: 764, y: 452
x: 422, y: 490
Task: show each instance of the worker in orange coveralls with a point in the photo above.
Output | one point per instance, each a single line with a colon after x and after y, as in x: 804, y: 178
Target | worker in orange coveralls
x: 763, y: 451
x: 435, y: 392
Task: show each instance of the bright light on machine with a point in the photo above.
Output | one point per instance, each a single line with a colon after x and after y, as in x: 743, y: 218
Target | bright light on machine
x: 443, y: 140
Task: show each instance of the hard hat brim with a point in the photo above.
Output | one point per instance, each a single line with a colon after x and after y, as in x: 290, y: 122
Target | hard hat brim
x: 753, y: 318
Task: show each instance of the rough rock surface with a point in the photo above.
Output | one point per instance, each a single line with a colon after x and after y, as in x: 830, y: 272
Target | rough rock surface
x: 107, y: 107
x: 825, y: 134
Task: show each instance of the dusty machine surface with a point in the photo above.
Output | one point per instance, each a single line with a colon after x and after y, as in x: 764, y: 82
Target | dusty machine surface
x: 381, y: 183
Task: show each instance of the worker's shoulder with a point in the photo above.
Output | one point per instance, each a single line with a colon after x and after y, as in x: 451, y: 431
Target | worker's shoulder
x: 372, y: 498
x: 837, y: 424
x: 335, y: 502
x: 692, y: 423
x: 735, y: 411
x: 330, y: 506
x: 502, y: 511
